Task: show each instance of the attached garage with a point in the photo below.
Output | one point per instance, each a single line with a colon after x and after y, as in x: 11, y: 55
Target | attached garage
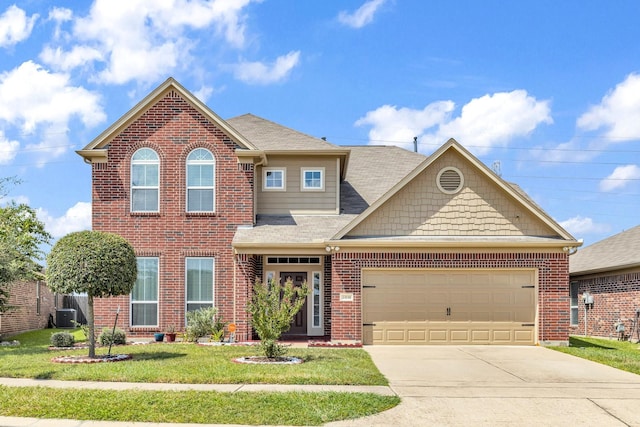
x: 449, y: 306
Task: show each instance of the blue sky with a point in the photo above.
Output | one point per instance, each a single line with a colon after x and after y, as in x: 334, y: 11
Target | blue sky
x: 547, y: 90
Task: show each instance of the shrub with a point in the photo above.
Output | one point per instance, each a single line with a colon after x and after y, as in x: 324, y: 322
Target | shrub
x: 108, y: 337
x: 62, y: 339
x: 202, y: 322
x: 272, y: 308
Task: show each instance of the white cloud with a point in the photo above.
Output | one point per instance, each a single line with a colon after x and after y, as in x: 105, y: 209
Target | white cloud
x: 203, y: 93
x: 67, y: 61
x: 620, y: 177
x: 362, y: 16
x: 262, y: 74
x: 35, y: 100
x: 77, y: 218
x: 617, y: 112
x: 485, y: 122
x: 142, y: 40
x: 8, y: 149
x: 15, y: 26
x: 398, y: 126
x: 579, y: 225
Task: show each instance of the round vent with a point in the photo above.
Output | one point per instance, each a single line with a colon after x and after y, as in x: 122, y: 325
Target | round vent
x: 450, y: 180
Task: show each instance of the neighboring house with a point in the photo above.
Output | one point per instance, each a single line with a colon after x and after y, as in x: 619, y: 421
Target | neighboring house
x: 31, y: 305
x: 609, y: 271
x: 397, y: 248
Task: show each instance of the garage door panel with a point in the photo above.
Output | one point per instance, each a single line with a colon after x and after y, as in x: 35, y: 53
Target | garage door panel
x: 449, y: 306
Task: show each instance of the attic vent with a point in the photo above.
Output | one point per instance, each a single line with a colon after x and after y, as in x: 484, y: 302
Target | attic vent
x: 450, y: 180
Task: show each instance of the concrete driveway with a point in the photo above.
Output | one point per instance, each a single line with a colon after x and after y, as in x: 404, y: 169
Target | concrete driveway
x: 501, y: 386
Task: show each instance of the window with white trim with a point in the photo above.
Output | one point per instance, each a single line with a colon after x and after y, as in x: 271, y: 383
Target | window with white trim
x: 316, y: 299
x: 200, y: 181
x: 145, y: 181
x: 573, y: 289
x: 199, y: 282
x: 274, y: 179
x: 144, y: 296
x: 312, y: 179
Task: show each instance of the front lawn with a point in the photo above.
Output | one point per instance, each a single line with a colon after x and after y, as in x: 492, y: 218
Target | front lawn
x: 255, y: 408
x: 623, y: 355
x: 188, y: 363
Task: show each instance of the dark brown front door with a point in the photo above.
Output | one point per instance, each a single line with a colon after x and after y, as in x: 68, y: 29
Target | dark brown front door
x: 299, y: 323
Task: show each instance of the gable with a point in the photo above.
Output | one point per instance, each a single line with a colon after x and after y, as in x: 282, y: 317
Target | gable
x: 96, y: 151
x: 480, y: 208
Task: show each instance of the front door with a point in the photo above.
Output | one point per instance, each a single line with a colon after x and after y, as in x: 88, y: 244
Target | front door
x: 299, y: 323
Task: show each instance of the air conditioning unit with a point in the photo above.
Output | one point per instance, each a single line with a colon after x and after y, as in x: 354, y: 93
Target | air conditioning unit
x: 65, y: 317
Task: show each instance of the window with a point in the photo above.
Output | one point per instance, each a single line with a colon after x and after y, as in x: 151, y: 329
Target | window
x: 199, y: 272
x: 312, y: 179
x: 273, y: 179
x: 144, y: 297
x: 200, y: 181
x: 574, y: 303
x: 316, y: 299
x: 145, y: 171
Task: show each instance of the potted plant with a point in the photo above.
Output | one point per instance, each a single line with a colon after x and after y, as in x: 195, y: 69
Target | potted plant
x: 171, y: 333
x: 158, y: 336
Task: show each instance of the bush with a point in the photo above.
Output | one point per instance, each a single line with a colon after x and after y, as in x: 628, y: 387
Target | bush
x: 202, y: 322
x: 272, y: 307
x: 62, y: 339
x: 109, y: 337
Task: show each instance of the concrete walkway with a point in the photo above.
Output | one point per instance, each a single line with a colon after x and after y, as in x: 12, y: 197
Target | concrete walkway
x: 450, y: 386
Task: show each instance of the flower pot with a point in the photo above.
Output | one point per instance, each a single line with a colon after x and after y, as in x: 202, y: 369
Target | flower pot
x: 171, y: 337
x: 159, y: 337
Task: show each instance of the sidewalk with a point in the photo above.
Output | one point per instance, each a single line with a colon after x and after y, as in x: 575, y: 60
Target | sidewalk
x: 223, y: 388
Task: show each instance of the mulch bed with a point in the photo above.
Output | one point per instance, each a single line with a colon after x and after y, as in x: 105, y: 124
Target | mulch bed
x: 87, y: 359
x: 263, y: 360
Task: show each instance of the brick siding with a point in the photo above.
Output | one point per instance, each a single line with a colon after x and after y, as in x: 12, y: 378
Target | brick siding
x: 173, y: 128
x: 25, y: 298
x: 553, y: 285
x: 615, y: 296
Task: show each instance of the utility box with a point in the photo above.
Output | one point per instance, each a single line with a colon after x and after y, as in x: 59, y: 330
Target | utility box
x: 65, y: 317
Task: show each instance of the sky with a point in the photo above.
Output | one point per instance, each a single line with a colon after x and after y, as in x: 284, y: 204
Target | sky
x: 546, y: 93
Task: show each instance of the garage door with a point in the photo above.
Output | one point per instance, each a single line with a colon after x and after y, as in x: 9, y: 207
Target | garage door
x: 475, y: 306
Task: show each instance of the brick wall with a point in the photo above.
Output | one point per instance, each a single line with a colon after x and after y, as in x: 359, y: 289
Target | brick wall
x: 553, y: 284
x: 173, y: 128
x: 33, y: 302
x: 615, y: 296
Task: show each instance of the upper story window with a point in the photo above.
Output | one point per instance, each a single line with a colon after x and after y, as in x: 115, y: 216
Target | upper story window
x: 145, y: 179
x: 274, y: 179
x: 312, y: 179
x: 200, y: 181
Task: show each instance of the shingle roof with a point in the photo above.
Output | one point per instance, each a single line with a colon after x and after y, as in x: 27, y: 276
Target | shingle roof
x: 373, y: 170
x: 616, y: 252
x: 267, y: 135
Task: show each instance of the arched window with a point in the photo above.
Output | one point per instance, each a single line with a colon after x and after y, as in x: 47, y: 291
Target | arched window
x: 200, y: 181
x: 145, y: 179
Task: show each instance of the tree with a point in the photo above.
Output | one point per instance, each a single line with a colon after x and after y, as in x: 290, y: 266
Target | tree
x: 272, y: 308
x: 93, y: 262
x: 22, y: 236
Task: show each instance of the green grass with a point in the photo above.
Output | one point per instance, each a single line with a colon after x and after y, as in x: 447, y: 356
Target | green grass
x: 623, y: 355
x: 188, y: 363
x: 253, y: 408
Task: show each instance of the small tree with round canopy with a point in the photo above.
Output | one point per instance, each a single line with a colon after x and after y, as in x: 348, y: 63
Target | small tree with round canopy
x: 93, y: 262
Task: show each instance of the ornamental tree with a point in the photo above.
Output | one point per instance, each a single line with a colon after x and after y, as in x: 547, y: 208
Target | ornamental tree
x: 22, y: 235
x: 273, y: 307
x: 93, y: 262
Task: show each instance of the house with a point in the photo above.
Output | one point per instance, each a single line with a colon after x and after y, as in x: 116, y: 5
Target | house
x: 607, y: 271
x: 31, y: 305
x: 397, y: 248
